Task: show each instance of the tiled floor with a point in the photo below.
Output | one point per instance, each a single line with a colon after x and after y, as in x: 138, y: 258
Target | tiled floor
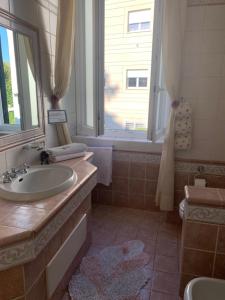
x: 114, y: 225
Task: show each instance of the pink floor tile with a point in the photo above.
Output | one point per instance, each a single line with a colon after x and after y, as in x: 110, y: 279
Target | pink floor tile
x: 166, y: 282
x: 166, y: 264
x: 163, y: 296
x: 115, y: 225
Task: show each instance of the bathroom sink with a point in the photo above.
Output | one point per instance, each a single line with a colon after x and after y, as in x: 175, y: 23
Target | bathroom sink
x: 39, y: 182
x: 204, y: 288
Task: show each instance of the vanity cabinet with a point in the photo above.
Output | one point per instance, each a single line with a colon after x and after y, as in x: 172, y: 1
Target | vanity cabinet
x: 37, y: 263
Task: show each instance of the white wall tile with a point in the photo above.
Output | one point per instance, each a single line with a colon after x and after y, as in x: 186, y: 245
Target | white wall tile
x: 203, y: 80
x: 214, y: 18
x: 211, y: 65
x: 53, y: 44
x: 199, y: 150
x: 26, y: 10
x: 51, y: 136
x: 209, y: 88
x: 189, y: 87
x: 195, y: 18
x: 213, y: 41
x: 53, y: 23
x: 207, y: 109
x: 15, y: 157
x: 45, y: 42
x: 2, y: 162
x: 54, y: 2
x: 4, y: 4
x: 192, y: 65
x: 221, y: 109
x: 193, y: 42
x: 203, y: 129
x: 44, y: 15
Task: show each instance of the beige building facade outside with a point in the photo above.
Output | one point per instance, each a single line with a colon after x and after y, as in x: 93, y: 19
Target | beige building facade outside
x: 128, y: 52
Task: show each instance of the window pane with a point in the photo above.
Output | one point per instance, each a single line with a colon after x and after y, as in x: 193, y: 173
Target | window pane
x: 127, y: 67
x: 145, y: 25
x: 133, y: 27
x: 89, y: 107
x: 143, y: 81
x: 132, y: 82
x: 9, y: 111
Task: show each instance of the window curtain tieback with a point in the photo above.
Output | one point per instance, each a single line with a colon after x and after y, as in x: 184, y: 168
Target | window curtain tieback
x: 54, y: 101
x: 175, y: 104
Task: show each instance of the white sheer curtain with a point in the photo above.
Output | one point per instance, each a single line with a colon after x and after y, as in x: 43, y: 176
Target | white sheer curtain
x: 63, y: 60
x: 174, y: 19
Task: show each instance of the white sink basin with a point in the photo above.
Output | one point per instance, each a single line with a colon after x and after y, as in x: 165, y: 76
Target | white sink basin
x: 39, y: 182
x: 204, y: 288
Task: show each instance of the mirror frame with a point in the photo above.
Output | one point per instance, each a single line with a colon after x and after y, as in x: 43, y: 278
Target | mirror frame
x: 13, y: 23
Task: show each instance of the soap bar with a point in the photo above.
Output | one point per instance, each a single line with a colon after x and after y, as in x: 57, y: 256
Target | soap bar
x: 200, y: 182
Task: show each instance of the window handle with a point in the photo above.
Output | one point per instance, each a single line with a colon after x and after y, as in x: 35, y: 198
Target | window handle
x: 158, y: 89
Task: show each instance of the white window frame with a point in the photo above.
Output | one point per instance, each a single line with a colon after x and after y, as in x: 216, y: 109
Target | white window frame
x: 156, y: 132
x: 98, y: 71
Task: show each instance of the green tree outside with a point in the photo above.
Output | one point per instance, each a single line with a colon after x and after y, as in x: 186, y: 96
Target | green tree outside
x: 8, y: 82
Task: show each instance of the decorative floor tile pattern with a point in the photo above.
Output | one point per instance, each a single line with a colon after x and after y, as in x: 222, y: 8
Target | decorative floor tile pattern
x: 115, y: 225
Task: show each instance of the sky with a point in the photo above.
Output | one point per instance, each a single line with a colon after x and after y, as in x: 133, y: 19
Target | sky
x: 4, y: 43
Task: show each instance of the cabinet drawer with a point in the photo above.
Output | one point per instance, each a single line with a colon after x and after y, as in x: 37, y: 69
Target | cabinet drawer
x: 61, y: 261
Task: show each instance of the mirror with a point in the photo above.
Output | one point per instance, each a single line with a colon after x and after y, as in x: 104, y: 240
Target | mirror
x: 20, y: 89
x: 18, y: 109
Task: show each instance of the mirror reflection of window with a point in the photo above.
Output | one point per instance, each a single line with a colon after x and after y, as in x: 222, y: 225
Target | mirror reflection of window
x: 18, y: 91
x: 28, y: 83
x: 9, y: 108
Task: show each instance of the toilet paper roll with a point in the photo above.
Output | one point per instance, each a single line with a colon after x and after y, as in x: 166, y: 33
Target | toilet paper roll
x: 200, y: 182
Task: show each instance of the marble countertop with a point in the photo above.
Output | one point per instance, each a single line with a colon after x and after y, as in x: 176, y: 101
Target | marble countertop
x: 22, y: 220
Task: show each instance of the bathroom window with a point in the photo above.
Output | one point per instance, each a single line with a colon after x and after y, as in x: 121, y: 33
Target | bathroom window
x: 119, y: 79
x: 137, y: 78
x: 139, y: 20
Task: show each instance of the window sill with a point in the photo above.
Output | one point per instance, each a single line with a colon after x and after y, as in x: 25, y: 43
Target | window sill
x: 120, y: 144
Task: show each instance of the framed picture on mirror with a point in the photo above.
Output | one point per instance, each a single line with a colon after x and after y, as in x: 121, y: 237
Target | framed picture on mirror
x: 57, y: 116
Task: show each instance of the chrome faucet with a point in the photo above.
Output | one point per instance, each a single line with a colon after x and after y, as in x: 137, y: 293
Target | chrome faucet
x: 35, y: 145
x: 8, y: 176
x: 13, y: 173
x: 22, y: 169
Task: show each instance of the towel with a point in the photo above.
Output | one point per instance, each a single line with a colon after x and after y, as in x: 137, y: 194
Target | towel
x: 183, y: 142
x: 103, y: 161
x: 183, y: 110
x: 66, y: 156
x: 67, y: 149
x: 183, y: 126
